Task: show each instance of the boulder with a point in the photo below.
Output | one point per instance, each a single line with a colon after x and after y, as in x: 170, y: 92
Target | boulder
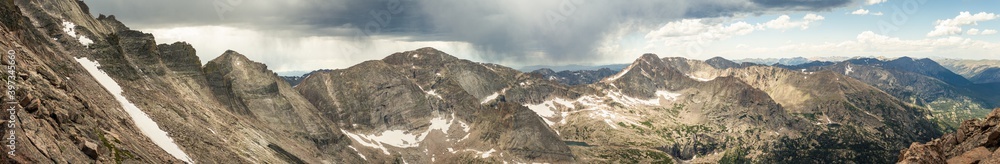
x: 90, y: 149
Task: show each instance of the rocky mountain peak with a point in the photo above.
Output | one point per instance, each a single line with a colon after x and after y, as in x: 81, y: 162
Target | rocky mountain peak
x: 721, y: 63
x: 180, y: 57
x: 923, y: 66
x: 649, y: 56
x: 232, y: 58
x: 422, y: 56
x: 648, y: 60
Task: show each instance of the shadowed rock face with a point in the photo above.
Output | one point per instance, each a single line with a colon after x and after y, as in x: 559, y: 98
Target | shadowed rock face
x: 975, y: 141
x: 991, y: 75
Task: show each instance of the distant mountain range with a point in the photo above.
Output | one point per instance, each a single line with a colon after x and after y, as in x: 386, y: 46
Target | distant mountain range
x: 119, y: 97
x: 572, y: 67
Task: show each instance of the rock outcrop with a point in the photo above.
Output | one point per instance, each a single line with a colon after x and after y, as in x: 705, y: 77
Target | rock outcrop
x: 975, y: 141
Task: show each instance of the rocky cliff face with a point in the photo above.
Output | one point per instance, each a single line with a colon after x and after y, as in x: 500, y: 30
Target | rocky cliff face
x: 975, y: 141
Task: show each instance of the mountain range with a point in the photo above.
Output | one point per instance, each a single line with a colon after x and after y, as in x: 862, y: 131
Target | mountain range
x: 93, y: 90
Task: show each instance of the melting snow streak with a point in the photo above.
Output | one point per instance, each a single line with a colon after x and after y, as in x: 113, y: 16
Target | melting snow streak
x: 141, y: 120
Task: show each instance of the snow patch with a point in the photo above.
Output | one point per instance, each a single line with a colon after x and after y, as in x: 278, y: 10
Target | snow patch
x: 433, y: 93
x: 85, y: 41
x: 493, y: 96
x: 698, y: 78
x: 401, y: 138
x: 70, y: 29
x: 139, y: 118
x: 848, y: 70
x: 487, y: 153
x: 365, y: 141
x: 359, y: 152
x: 667, y: 95
x: 630, y: 101
x: 466, y: 128
x: 481, y: 154
x: 545, y: 109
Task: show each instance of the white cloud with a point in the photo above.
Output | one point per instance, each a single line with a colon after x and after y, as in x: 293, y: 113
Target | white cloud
x: 691, y: 35
x: 972, y: 31
x: 869, y: 43
x: 696, y: 27
x: 784, y: 22
x: 864, y: 12
x: 872, y: 2
x: 954, y: 26
x: 988, y: 32
x: 860, y: 12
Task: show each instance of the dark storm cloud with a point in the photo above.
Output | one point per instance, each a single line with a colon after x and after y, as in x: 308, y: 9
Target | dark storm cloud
x: 803, y: 4
x: 511, y: 30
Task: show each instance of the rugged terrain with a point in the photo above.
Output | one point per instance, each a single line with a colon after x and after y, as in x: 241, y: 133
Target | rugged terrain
x: 94, y: 91
x: 976, y: 141
x: 985, y: 69
x: 923, y: 82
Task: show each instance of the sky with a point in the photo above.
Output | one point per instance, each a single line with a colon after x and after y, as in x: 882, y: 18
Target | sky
x: 303, y: 35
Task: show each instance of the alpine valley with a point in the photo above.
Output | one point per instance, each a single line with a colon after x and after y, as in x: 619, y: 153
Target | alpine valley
x: 92, y: 90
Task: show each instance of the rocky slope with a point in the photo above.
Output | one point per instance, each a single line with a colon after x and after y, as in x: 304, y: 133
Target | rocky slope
x: 444, y: 108
x: 101, y: 99
x: 837, y: 105
x: 922, y: 82
x: 976, y: 141
x: 968, y: 68
x: 990, y: 75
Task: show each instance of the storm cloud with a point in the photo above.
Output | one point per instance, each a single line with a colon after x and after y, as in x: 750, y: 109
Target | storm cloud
x: 512, y: 30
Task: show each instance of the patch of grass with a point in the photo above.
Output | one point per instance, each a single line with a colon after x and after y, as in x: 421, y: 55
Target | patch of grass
x: 648, y: 123
x: 735, y: 156
x: 118, y: 154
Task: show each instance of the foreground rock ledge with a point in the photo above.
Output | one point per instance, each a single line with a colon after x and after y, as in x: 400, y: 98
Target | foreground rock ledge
x: 975, y: 141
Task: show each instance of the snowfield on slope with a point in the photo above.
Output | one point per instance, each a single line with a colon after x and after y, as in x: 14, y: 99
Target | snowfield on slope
x: 591, y: 103
x: 404, y: 139
x: 141, y: 120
